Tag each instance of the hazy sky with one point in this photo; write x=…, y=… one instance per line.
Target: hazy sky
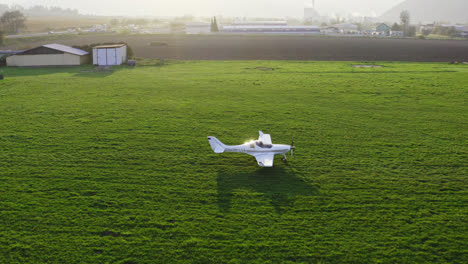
x=249, y=8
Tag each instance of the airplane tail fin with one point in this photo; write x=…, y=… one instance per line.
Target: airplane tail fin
x=216, y=145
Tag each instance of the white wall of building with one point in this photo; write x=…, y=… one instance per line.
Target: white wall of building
x=109, y=56
x=65, y=59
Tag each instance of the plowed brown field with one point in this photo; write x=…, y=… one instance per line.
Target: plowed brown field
x=249, y=47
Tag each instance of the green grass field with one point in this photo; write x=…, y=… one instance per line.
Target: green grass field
x=115, y=167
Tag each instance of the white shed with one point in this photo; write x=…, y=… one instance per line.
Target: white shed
x=110, y=54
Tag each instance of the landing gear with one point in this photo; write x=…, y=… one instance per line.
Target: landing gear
x=284, y=159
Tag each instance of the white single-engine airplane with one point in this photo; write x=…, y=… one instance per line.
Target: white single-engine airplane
x=262, y=149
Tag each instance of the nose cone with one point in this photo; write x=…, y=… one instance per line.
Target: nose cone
x=282, y=148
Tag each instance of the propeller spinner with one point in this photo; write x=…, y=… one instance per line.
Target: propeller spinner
x=292, y=147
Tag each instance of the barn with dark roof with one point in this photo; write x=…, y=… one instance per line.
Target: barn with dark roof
x=49, y=55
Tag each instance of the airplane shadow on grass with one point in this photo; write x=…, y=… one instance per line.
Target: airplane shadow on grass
x=280, y=185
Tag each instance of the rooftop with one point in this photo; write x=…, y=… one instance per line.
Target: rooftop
x=109, y=46
x=66, y=49
x=269, y=27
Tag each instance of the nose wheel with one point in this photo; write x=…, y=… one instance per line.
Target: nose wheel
x=284, y=159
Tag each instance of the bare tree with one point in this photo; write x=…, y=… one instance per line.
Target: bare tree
x=405, y=21
x=214, y=25
x=13, y=21
x=405, y=17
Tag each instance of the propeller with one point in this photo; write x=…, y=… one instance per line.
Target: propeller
x=292, y=147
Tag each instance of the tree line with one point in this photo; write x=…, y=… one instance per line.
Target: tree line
x=13, y=18
x=11, y=22
x=39, y=10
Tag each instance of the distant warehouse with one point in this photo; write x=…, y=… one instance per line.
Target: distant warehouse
x=49, y=55
x=270, y=29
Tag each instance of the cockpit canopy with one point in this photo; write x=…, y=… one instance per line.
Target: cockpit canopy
x=263, y=145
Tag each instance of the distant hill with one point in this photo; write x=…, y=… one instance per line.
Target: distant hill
x=428, y=11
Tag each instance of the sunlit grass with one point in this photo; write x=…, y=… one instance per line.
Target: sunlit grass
x=115, y=167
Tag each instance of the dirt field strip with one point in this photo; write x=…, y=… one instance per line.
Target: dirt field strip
x=238, y=47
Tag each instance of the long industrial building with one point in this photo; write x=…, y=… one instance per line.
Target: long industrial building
x=270, y=29
x=259, y=23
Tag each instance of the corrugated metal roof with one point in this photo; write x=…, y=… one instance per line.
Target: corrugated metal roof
x=109, y=46
x=10, y=51
x=66, y=49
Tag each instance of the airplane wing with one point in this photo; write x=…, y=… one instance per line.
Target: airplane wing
x=265, y=160
x=265, y=138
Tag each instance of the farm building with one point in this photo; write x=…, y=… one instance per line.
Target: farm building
x=347, y=28
x=462, y=31
x=110, y=54
x=383, y=29
x=396, y=33
x=49, y=55
x=10, y=52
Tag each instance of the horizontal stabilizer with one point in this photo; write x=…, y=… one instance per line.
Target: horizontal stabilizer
x=216, y=145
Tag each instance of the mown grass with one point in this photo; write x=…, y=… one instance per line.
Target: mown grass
x=114, y=167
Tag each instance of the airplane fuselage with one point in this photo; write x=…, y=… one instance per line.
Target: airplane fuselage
x=262, y=149
x=253, y=148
